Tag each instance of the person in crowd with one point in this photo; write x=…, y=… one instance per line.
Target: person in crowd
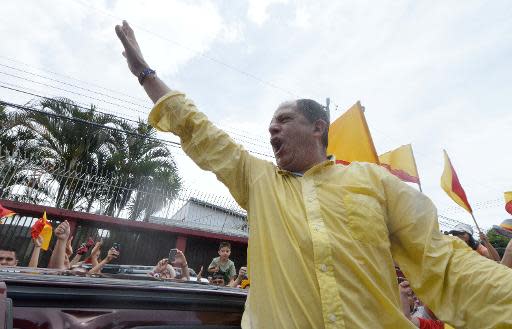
x=59, y=258
x=465, y=233
x=507, y=256
x=242, y=274
x=217, y=279
x=245, y=284
x=164, y=270
x=222, y=264
x=323, y=236
x=8, y=257
x=429, y=321
x=112, y=254
x=95, y=254
x=199, y=276
x=493, y=253
x=81, y=251
x=34, y=258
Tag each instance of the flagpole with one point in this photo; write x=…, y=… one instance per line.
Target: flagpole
x=474, y=220
x=419, y=185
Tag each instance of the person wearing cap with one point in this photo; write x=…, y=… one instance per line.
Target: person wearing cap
x=465, y=233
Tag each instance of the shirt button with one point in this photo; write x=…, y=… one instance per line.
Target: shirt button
x=310, y=199
x=332, y=317
x=323, y=268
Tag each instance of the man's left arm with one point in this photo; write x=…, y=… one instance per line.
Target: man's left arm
x=460, y=286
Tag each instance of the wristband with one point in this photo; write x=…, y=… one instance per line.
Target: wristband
x=143, y=75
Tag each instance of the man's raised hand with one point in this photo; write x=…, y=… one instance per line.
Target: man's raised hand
x=132, y=53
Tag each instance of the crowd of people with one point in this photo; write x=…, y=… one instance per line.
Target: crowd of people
x=87, y=260
x=420, y=314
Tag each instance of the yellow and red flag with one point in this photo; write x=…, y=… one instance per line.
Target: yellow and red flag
x=451, y=185
x=4, y=212
x=44, y=229
x=400, y=162
x=350, y=139
x=508, y=202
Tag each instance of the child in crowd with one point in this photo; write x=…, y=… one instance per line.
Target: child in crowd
x=223, y=265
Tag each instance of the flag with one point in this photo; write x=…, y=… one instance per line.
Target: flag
x=400, y=162
x=451, y=185
x=508, y=202
x=4, y=212
x=42, y=228
x=350, y=139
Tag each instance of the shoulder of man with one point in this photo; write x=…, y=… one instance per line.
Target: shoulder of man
x=367, y=171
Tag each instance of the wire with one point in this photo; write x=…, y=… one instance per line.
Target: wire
x=197, y=53
x=30, y=109
x=123, y=118
x=69, y=91
x=73, y=78
x=259, y=141
x=174, y=144
x=62, y=101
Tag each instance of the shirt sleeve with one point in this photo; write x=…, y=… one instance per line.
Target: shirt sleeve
x=213, y=263
x=460, y=286
x=209, y=147
x=232, y=270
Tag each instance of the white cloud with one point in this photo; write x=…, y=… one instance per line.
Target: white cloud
x=258, y=10
x=436, y=75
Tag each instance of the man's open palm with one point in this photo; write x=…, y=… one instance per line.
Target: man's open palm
x=132, y=53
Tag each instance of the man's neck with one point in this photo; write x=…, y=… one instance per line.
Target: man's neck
x=317, y=160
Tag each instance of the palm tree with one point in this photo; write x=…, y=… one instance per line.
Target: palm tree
x=85, y=164
x=148, y=167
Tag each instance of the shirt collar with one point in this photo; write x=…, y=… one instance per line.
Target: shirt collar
x=330, y=161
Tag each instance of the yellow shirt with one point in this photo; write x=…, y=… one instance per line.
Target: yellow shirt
x=321, y=246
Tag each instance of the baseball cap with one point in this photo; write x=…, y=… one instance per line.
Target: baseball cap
x=462, y=228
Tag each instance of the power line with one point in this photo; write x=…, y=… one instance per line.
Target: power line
x=82, y=121
x=71, y=85
x=197, y=53
x=115, y=116
x=73, y=78
x=69, y=91
x=174, y=144
x=62, y=101
x=231, y=130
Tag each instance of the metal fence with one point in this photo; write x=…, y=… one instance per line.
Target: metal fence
x=31, y=179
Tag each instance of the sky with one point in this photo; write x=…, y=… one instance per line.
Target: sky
x=434, y=74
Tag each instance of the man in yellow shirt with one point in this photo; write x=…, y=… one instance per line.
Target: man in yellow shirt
x=323, y=237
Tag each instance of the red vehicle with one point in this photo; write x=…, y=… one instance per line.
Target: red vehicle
x=47, y=299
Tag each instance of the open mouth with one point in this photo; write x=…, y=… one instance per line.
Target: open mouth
x=277, y=145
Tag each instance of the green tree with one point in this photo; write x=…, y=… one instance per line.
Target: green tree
x=148, y=167
x=79, y=165
x=498, y=241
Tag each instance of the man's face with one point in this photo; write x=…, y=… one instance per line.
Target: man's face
x=224, y=253
x=293, y=138
x=8, y=258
